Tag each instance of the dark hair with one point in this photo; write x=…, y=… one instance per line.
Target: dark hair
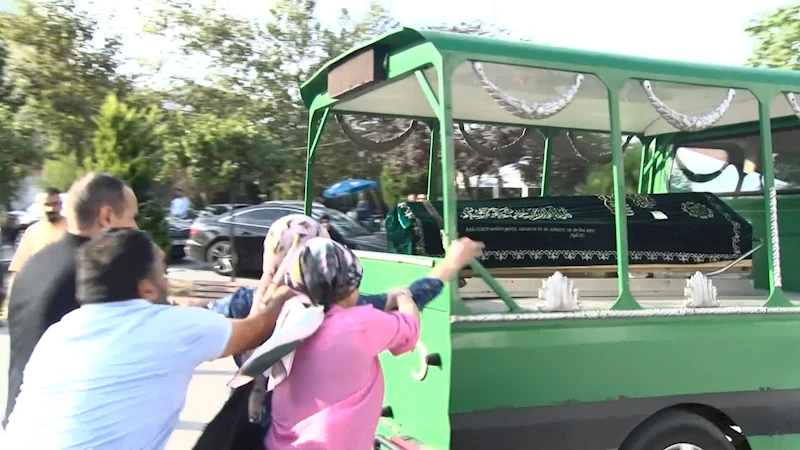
x=324, y=217
x=110, y=266
x=50, y=191
x=89, y=194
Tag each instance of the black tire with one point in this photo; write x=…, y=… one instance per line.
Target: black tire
x=213, y=253
x=677, y=427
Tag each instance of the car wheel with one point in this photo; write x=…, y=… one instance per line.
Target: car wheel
x=219, y=257
x=678, y=430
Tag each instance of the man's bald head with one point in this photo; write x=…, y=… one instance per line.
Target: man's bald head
x=99, y=200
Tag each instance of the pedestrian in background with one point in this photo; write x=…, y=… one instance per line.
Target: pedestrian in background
x=50, y=227
x=180, y=205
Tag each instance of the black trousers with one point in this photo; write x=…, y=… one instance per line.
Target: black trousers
x=231, y=429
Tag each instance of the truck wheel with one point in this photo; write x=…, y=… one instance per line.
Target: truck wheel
x=678, y=430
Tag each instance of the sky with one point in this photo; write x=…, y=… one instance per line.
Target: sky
x=691, y=30
x=708, y=31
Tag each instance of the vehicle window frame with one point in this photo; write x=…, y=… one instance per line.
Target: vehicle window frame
x=235, y=217
x=692, y=144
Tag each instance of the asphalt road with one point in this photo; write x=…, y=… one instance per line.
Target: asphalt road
x=207, y=391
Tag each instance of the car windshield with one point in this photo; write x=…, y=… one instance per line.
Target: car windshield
x=343, y=223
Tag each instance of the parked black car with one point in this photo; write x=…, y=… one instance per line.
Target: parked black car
x=210, y=236
x=221, y=208
x=179, y=236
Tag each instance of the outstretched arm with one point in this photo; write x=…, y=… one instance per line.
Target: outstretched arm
x=252, y=331
x=424, y=290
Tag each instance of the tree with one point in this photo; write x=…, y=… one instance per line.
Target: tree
x=777, y=36
x=60, y=172
x=256, y=69
x=126, y=143
x=601, y=178
x=215, y=152
x=18, y=146
x=4, y=84
x=65, y=68
x=19, y=153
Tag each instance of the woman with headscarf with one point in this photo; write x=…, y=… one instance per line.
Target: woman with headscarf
x=292, y=232
x=245, y=417
x=332, y=398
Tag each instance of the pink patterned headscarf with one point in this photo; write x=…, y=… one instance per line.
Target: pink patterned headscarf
x=286, y=236
x=324, y=271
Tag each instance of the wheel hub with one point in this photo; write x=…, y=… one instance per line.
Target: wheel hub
x=683, y=447
x=223, y=265
x=220, y=258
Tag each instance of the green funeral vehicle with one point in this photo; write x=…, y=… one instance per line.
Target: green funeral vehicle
x=661, y=322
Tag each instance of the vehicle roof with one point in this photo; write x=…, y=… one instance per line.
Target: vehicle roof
x=299, y=203
x=703, y=87
x=289, y=204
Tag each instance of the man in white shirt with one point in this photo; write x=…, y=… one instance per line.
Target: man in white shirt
x=113, y=374
x=180, y=206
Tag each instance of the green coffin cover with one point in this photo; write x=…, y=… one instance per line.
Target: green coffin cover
x=685, y=228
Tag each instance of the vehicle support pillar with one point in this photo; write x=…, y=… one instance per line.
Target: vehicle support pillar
x=777, y=298
x=316, y=125
x=625, y=300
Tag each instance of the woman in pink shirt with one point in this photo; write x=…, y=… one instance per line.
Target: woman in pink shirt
x=333, y=396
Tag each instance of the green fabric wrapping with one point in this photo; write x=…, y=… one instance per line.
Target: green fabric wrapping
x=685, y=228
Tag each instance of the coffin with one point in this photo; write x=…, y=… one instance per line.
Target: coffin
x=680, y=228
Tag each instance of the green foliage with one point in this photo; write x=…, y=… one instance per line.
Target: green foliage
x=777, y=36
x=19, y=151
x=4, y=84
x=61, y=172
x=152, y=218
x=395, y=186
x=601, y=178
x=216, y=151
x=254, y=71
x=127, y=144
x=64, y=68
x=19, y=154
